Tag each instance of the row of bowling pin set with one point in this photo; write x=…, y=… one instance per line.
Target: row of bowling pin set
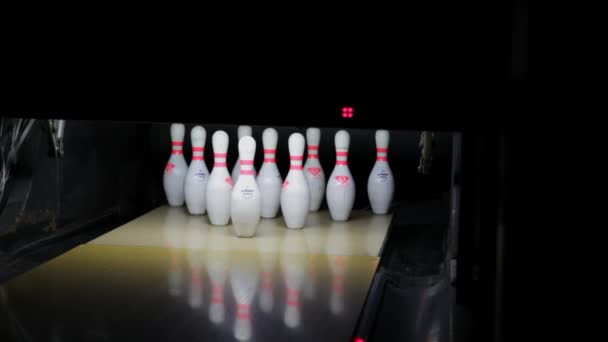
x=246, y=196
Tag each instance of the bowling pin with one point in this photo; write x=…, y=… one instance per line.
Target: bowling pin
x=295, y=196
x=341, y=185
x=244, y=282
x=197, y=176
x=293, y=264
x=242, y=131
x=380, y=184
x=269, y=180
x=313, y=170
x=176, y=168
x=219, y=186
x=246, y=204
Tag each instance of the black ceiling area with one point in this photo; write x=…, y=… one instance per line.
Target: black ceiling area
x=416, y=60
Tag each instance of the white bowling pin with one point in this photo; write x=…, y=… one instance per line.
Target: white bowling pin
x=380, y=184
x=295, y=196
x=269, y=180
x=219, y=186
x=244, y=282
x=313, y=170
x=293, y=264
x=176, y=168
x=242, y=131
x=246, y=204
x=341, y=185
x=218, y=253
x=196, y=179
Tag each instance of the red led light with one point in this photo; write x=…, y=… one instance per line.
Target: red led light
x=359, y=339
x=347, y=112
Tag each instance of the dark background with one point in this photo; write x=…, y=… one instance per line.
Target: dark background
x=419, y=65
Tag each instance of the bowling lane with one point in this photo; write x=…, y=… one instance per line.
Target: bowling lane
x=280, y=292
x=170, y=276
x=172, y=227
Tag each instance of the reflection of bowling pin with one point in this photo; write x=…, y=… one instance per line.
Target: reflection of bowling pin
x=244, y=281
x=218, y=253
x=242, y=131
x=176, y=168
x=338, y=248
x=380, y=184
x=293, y=264
x=267, y=242
x=246, y=204
x=313, y=171
x=295, y=196
x=341, y=185
x=195, y=244
x=269, y=180
x=315, y=239
x=173, y=232
x=219, y=186
x=376, y=232
x=197, y=176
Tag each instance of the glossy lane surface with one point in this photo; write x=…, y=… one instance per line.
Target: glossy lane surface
x=170, y=276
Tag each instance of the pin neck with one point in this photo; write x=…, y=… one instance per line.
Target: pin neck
x=342, y=157
x=269, y=155
x=219, y=159
x=295, y=162
x=381, y=154
x=198, y=153
x=313, y=151
x=246, y=167
x=177, y=147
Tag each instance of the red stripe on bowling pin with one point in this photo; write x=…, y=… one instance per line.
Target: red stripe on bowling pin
x=341, y=157
x=177, y=147
x=381, y=154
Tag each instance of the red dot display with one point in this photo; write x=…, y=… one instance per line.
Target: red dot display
x=347, y=112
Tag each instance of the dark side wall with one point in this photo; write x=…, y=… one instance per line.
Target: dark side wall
x=96, y=181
